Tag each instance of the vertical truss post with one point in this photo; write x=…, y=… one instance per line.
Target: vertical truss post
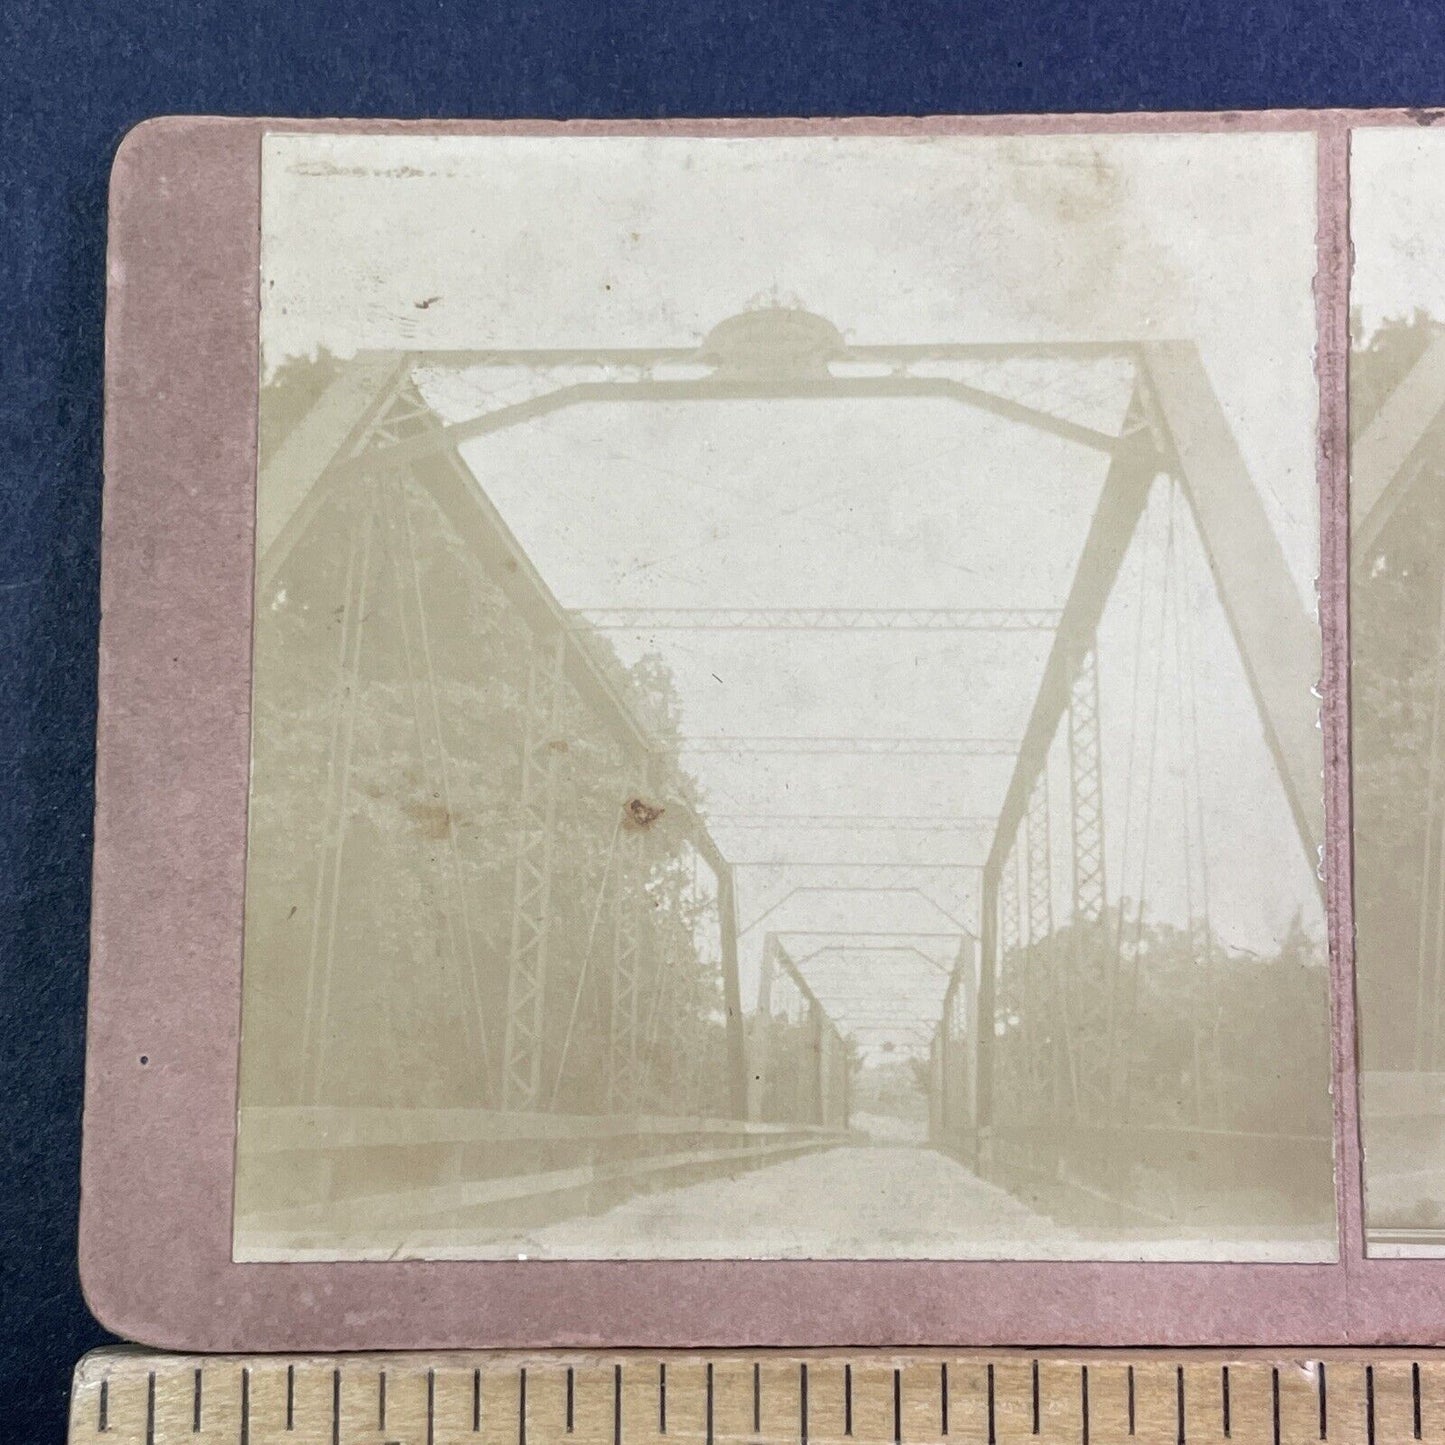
x=532, y=879
x=1012, y=1086
x=760, y=1079
x=737, y=1051
x=684, y=1056
x=956, y=1102
x=628, y=900
x=454, y=913
x=821, y=1028
x=960, y=1087
x=1016, y=973
x=668, y=1083
x=803, y=1064
x=1010, y=920
x=1086, y=781
x=1039, y=1003
x=987, y=1011
x=824, y=1061
x=1430, y=922
x=1135, y=462
x=325, y=911
x=942, y=1115
x=1091, y=995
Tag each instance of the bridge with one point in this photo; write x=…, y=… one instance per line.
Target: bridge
x=533, y=966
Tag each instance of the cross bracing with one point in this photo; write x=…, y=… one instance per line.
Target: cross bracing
x=863, y=951
x=813, y=890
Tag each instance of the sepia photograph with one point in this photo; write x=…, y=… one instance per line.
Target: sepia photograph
x=1397, y=611
x=784, y=713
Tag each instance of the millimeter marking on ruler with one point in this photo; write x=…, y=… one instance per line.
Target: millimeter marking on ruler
x=127, y=1396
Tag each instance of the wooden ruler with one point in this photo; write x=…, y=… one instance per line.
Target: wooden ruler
x=128, y=1396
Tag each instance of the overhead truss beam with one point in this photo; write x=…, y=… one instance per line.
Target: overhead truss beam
x=744, y=388
x=954, y=933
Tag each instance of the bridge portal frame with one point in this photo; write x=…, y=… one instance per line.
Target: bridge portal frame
x=1173, y=425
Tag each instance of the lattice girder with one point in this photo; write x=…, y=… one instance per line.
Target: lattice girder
x=624, y=1041
x=1091, y=980
x=532, y=883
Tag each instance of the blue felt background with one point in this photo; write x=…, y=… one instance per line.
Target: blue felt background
x=74, y=76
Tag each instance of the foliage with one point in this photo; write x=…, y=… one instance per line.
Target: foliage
x=1187, y=1033
x=290, y=392
x=1396, y=616
x=407, y=1003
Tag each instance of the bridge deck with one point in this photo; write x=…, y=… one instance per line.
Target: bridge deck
x=886, y=1200
x=879, y=1201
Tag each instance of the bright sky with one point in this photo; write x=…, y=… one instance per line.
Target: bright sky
x=1397, y=223
x=469, y=243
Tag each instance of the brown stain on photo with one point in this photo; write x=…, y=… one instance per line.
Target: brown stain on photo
x=640, y=814
x=431, y=819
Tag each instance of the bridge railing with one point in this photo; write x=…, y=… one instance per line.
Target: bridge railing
x=353, y=1183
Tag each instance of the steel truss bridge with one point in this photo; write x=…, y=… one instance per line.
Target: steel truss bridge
x=666, y=1098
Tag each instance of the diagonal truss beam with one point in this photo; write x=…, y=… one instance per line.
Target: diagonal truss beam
x=296, y=478
x=1384, y=457
x=1274, y=632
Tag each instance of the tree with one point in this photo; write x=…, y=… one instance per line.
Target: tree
x=1396, y=619
x=430, y=722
